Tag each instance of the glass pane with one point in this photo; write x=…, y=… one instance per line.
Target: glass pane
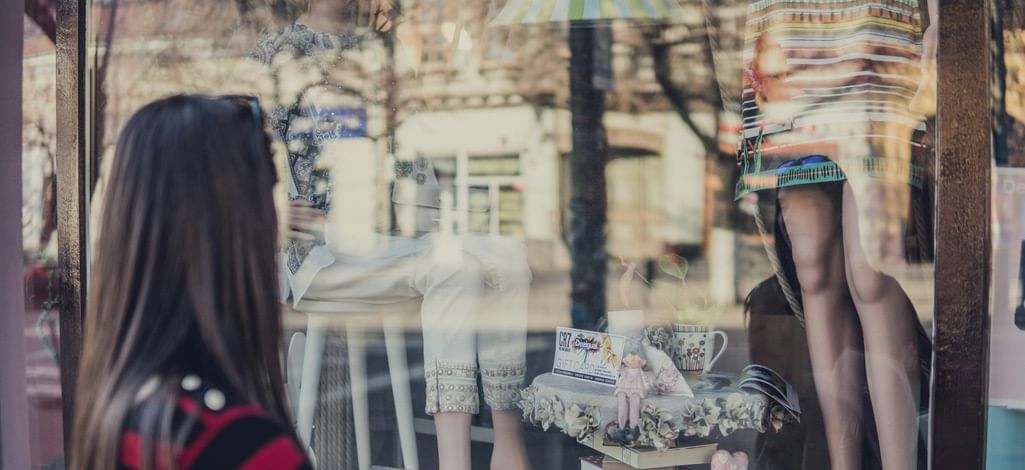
x=704, y=186
x=39, y=392
x=1006, y=400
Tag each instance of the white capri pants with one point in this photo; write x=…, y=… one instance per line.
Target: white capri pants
x=474, y=290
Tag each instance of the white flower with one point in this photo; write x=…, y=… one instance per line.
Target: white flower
x=712, y=410
x=558, y=413
x=527, y=397
x=581, y=423
x=734, y=401
x=548, y=412
x=543, y=413
x=760, y=417
x=657, y=428
x=736, y=415
x=777, y=418
x=699, y=418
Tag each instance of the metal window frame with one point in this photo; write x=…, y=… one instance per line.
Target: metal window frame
x=72, y=195
x=962, y=279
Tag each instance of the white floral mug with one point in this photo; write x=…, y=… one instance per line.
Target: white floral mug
x=693, y=347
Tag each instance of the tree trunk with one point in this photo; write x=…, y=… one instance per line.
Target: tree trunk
x=1001, y=121
x=587, y=184
x=386, y=217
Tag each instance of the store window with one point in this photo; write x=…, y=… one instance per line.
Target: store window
x=682, y=231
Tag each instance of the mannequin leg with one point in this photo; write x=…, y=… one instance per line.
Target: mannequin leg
x=813, y=221
x=451, y=301
x=502, y=341
x=891, y=352
x=510, y=451
x=453, y=440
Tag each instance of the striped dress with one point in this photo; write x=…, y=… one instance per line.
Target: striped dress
x=827, y=94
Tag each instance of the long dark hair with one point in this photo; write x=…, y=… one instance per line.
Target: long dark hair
x=184, y=275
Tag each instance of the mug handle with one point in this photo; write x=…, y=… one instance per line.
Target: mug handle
x=725, y=342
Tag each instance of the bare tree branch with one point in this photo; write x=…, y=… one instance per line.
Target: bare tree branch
x=676, y=96
x=44, y=14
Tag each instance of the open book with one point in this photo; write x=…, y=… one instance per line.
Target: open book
x=761, y=379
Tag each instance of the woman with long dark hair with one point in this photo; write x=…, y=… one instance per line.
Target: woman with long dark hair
x=181, y=364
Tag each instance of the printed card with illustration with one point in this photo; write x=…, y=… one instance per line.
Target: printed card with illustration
x=588, y=355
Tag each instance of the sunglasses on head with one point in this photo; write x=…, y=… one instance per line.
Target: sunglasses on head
x=251, y=105
x=248, y=102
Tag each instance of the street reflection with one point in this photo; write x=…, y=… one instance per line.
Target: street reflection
x=486, y=170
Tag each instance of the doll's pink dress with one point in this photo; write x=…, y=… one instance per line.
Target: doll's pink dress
x=630, y=383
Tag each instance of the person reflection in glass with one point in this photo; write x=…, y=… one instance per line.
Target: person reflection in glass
x=829, y=123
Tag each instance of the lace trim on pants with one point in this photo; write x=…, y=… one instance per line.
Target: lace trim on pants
x=502, y=385
x=452, y=388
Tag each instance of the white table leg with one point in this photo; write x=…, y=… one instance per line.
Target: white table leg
x=395, y=344
x=360, y=406
x=309, y=385
x=294, y=369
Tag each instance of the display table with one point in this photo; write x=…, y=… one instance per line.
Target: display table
x=582, y=410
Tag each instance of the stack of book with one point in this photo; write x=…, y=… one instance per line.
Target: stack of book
x=629, y=458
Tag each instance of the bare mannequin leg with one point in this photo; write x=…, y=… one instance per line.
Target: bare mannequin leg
x=510, y=451
x=812, y=217
x=453, y=440
x=502, y=342
x=891, y=352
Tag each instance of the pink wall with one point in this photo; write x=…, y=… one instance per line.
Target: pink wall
x=14, y=427
x=1007, y=342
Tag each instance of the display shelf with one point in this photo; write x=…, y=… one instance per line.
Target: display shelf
x=582, y=410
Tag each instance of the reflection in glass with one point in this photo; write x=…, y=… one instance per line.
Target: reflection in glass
x=38, y=383
x=831, y=123
x=484, y=164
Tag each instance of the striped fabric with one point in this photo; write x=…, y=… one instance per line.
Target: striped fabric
x=544, y=11
x=237, y=436
x=832, y=78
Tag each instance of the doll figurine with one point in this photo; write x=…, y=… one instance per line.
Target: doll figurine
x=630, y=389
